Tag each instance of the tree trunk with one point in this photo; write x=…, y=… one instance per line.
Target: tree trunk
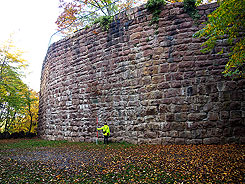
x=29, y=105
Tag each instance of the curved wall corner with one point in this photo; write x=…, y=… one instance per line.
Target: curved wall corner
x=151, y=86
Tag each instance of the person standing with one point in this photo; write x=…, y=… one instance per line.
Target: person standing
x=106, y=133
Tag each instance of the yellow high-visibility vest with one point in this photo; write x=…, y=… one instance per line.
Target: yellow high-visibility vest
x=106, y=130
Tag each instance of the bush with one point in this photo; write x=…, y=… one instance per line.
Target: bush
x=16, y=135
x=104, y=22
x=191, y=9
x=5, y=135
x=154, y=6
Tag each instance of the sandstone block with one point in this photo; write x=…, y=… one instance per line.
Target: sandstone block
x=142, y=141
x=198, y=134
x=166, y=140
x=179, y=141
x=173, y=133
x=212, y=140
x=155, y=141
x=153, y=126
x=196, y=116
x=235, y=114
x=148, y=53
x=239, y=131
x=241, y=140
x=151, y=111
x=213, y=116
x=164, y=68
x=158, y=50
x=166, y=126
x=180, y=117
x=194, y=141
x=169, y=117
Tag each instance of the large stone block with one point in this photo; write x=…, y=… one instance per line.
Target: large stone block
x=180, y=141
x=211, y=140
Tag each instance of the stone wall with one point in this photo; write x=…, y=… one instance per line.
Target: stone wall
x=151, y=86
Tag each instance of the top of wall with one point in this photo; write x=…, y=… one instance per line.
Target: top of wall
x=130, y=17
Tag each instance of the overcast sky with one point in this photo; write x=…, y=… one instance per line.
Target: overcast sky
x=33, y=23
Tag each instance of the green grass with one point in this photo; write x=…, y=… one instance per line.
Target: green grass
x=32, y=143
x=37, y=143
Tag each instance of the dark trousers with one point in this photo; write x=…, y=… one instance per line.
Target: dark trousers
x=106, y=141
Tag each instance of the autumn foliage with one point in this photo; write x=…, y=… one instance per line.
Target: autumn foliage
x=227, y=23
x=39, y=161
x=18, y=103
x=77, y=14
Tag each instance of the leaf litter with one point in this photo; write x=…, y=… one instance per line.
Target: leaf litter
x=117, y=163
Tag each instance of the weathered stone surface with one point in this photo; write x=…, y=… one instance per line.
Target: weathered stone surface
x=179, y=141
x=211, y=140
x=150, y=88
x=135, y=36
x=213, y=116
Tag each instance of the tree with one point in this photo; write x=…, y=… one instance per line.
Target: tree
x=27, y=120
x=12, y=98
x=11, y=85
x=227, y=22
x=31, y=110
x=9, y=54
x=78, y=13
x=16, y=100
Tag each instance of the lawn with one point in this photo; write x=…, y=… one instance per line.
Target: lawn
x=41, y=161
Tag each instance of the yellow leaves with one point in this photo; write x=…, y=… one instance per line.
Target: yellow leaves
x=226, y=21
x=58, y=176
x=12, y=54
x=174, y=1
x=12, y=88
x=78, y=14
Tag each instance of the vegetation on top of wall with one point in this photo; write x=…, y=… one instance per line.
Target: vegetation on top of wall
x=77, y=14
x=191, y=9
x=154, y=6
x=104, y=22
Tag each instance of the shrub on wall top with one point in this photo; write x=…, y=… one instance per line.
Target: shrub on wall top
x=191, y=9
x=154, y=7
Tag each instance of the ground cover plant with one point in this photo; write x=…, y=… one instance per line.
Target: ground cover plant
x=40, y=161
